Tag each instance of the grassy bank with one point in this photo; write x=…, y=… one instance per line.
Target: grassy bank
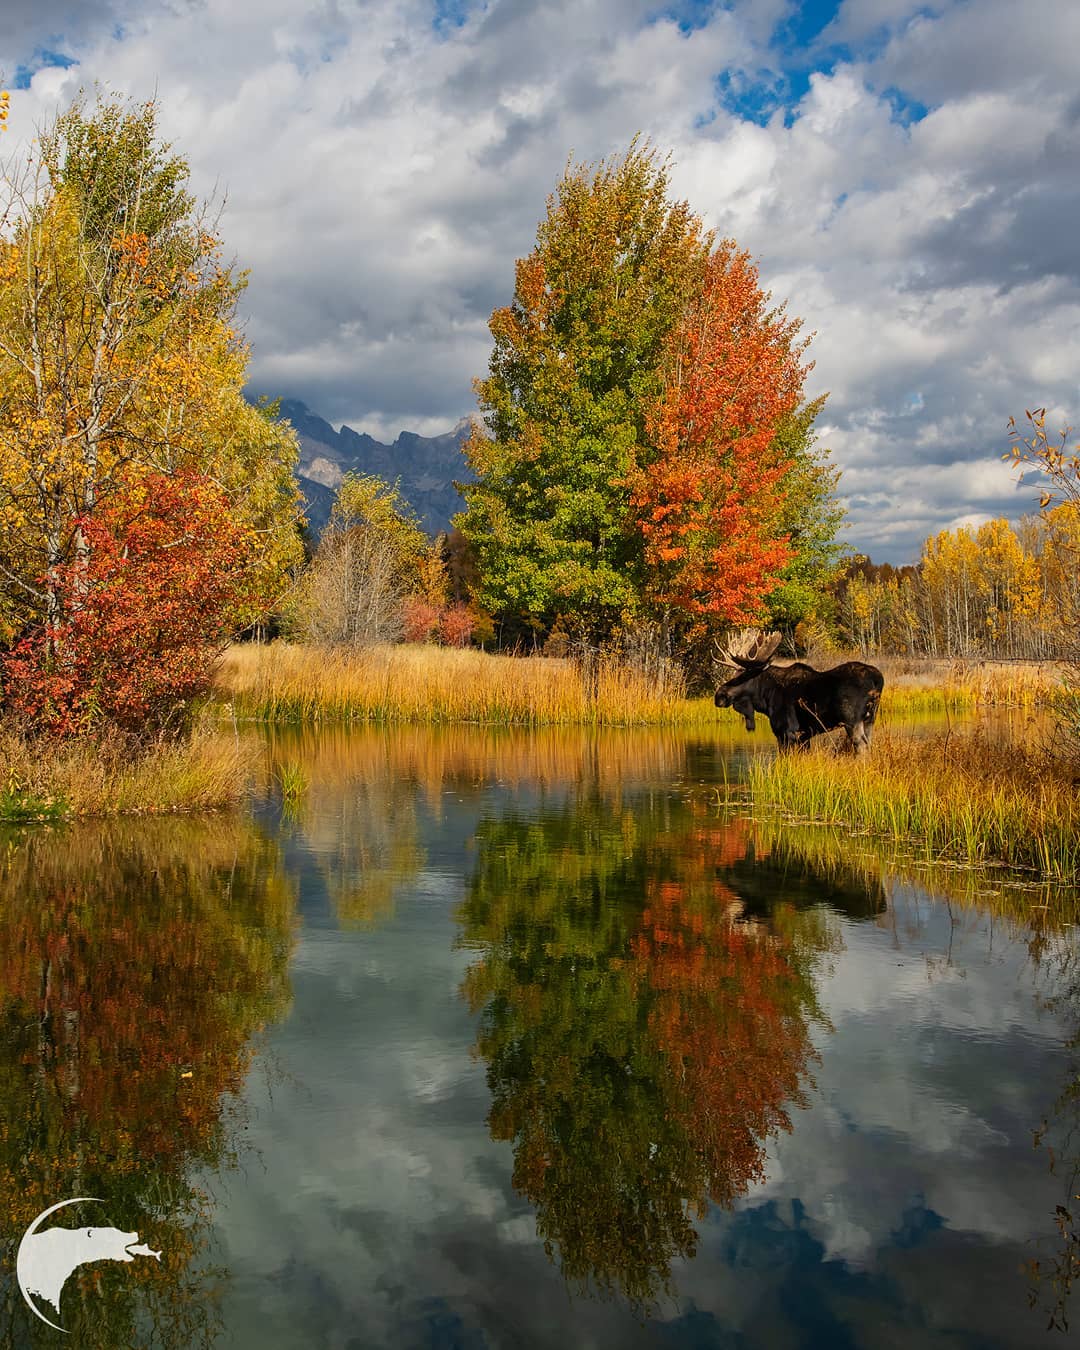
x=878, y=862
x=284, y=683
x=42, y=781
x=958, y=798
x=916, y=685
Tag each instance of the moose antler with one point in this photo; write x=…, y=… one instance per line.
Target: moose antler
x=749, y=647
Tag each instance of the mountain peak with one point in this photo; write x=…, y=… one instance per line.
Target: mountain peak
x=426, y=467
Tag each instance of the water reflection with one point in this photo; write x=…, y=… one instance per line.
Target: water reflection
x=1055, y=1269
x=649, y=978
x=646, y=984
x=360, y=816
x=650, y=990
x=137, y=960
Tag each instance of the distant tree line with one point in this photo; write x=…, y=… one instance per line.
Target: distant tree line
x=998, y=590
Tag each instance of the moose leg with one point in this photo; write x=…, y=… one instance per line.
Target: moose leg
x=785, y=727
x=859, y=737
x=862, y=730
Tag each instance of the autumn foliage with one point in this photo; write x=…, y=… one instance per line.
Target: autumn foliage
x=451, y=625
x=420, y=619
x=145, y=504
x=644, y=425
x=141, y=614
x=707, y=503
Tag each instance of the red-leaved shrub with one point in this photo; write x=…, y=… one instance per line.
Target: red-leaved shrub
x=142, y=613
x=456, y=626
x=420, y=619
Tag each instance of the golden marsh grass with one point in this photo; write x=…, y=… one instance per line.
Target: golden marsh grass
x=952, y=796
x=425, y=684
x=1036, y=904
x=90, y=778
x=921, y=684
x=430, y=684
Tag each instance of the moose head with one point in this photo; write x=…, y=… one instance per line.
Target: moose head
x=749, y=651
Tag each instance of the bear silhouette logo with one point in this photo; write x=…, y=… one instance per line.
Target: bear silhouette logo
x=45, y=1260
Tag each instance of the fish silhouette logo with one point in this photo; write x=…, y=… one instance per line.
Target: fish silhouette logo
x=45, y=1260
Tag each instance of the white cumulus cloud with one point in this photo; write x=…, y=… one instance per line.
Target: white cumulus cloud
x=913, y=195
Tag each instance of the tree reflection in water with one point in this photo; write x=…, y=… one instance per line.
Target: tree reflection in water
x=137, y=960
x=647, y=983
x=1056, y=1269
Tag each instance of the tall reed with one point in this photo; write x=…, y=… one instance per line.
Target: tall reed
x=439, y=684
x=45, y=781
x=949, y=797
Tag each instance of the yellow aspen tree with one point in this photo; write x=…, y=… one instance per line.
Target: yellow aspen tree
x=119, y=355
x=1056, y=465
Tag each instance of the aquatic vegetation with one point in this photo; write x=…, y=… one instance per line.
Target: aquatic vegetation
x=51, y=780
x=293, y=781
x=952, y=796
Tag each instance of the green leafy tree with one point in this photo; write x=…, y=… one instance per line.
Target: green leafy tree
x=645, y=453
x=811, y=517
x=575, y=365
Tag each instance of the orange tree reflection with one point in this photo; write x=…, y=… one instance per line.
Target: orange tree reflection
x=137, y=960
x=645, y=1034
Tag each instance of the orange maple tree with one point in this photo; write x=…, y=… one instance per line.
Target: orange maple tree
x=708, y=502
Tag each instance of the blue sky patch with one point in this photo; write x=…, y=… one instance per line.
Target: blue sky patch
x=806, y=23
x=449, y=14
x=689, y=14
x=905, y=109
x=42, y=59
x=749, y=98
x=798, y=49
x=795, y=55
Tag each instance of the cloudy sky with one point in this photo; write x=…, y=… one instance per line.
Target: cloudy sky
x=905, y=171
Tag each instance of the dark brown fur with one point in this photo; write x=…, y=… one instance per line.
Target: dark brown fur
x=801, y=702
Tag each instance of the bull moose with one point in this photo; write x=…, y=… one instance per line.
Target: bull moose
x=799, y=701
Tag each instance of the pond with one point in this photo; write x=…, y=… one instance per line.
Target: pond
x=525, y=1039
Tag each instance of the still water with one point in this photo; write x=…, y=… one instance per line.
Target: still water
x=500, y=1040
